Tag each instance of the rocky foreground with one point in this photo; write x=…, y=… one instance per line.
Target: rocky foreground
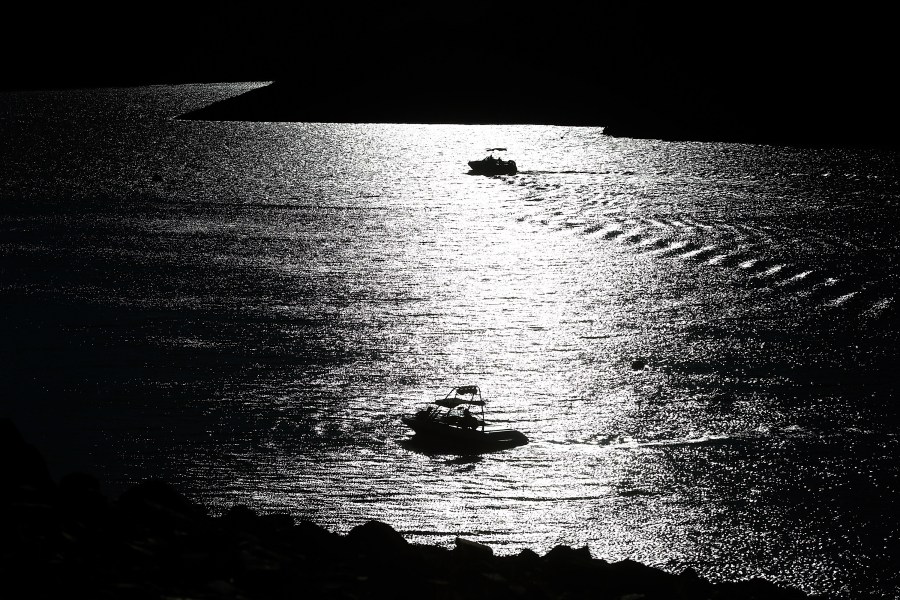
x=66, y=540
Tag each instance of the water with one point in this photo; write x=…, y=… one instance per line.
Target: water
x=699, y=339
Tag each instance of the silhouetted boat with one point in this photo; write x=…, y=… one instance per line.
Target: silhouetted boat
x=491, y=165
x=447, y=424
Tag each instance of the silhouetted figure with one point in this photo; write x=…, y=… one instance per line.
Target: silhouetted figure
x=468, y=420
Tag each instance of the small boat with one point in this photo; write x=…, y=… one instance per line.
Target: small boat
x=491, y=165
x=448, y=424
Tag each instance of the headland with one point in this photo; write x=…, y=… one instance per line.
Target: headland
x=679, y=111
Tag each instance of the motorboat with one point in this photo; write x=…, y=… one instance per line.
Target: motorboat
x=492, y=165
x=449, y=424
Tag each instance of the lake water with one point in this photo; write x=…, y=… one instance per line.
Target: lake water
x=699, y=339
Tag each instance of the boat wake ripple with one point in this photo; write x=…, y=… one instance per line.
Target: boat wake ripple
x=763, y=259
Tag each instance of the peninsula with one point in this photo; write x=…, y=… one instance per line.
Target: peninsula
x=686, y=111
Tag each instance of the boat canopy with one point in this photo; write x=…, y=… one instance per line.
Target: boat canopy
x=464, y=394
x=454, y=402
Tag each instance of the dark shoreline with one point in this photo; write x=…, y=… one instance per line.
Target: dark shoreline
x=68, y=540
x=675, y=113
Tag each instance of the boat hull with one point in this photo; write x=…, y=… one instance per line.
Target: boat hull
x=437, y=435
x=480, y=167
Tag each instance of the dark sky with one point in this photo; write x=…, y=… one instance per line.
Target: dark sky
x=161, y=42
x=826, y=60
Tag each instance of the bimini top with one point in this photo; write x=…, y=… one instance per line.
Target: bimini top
x=464, y=394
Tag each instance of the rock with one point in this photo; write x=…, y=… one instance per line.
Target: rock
x=157, y=503
x=468, y=550
x=310, y=537
x=23, y=470
x=566, y=554
x=241, y=516
x=154, y=495
x=276, y=522
x=80, y=499
x=154, y=542
x=375, y=535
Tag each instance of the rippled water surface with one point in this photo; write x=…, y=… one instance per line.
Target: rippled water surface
x=699, y=339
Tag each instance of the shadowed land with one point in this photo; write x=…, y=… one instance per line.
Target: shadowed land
x=671, y=72
x=66, y=539
x=684, y=110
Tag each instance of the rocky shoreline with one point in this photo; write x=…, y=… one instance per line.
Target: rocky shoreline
x=66, y=539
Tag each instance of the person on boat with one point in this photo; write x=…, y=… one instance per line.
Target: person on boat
x=469, y=421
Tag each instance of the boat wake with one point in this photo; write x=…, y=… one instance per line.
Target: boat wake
x=790, y=265
x=628, y=443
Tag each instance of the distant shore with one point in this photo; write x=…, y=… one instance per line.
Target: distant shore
x=68, y=540
x=661, y=114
